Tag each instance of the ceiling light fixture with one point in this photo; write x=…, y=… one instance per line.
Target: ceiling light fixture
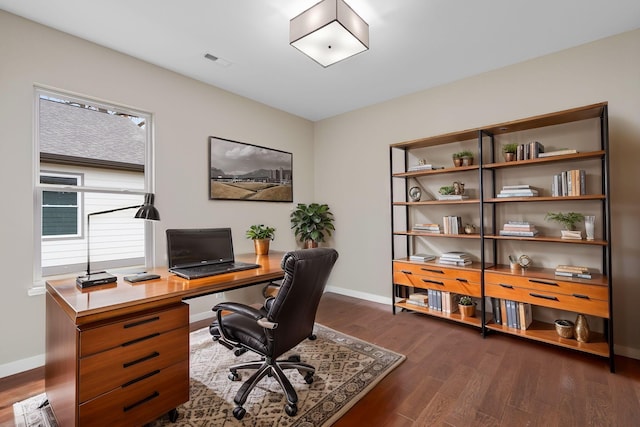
x=329, y=32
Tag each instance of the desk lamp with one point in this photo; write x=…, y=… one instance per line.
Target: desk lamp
x=145, y=211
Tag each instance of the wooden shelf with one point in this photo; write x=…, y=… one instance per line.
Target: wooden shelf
x=545, y=198
x=474, y=321
x=518, y=163
x=546, y=332
x=456, y=236
x=415, y=174
x=548, y=239
x=438, y=202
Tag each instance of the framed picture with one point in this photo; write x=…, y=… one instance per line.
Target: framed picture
x=239, y=171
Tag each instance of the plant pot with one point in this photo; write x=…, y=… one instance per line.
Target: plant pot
x=308, y=244
x=509, y=157
x=467, y=161
x=261, y=246
x=467, y=310
x=457, y=162
x=564, y=328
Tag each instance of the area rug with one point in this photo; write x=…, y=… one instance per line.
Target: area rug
x=346, y=369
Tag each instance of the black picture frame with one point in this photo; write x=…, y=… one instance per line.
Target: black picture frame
x=241, y=171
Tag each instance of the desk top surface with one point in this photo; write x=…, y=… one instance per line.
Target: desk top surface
x=121, y=297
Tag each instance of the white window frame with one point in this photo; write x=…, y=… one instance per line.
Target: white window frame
x=149, y=177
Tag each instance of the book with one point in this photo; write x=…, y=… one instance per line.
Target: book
x=422, y=257
x=525, y=315
x=516, y=187
x=504, y=315
x=571, y=234
x=418, y=303
x=519, y=227
x=495, y=305
x=452, y=262
x=519, y=233
x=456, y=255
x=452, y=197
x=572, y=268
x=558, y=153
x=530, y=193
x=518, y=190
x=419, y=297
x=575, y=275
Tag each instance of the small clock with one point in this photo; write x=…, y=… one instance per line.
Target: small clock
x=524, y=261
x=415, y=194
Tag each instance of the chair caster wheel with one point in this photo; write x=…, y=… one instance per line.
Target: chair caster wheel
x=233, y=376
x=308, y=378
x=313, y=337
x=294, y=358
x=238, y=412
x=239, y=351
x=291, y=409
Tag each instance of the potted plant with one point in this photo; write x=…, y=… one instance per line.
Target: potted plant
x=457, y=160
x=509, y=152
x=311, y=222
x=467, y=306
x=466, y=156
x=568, y=221
x=261, y=236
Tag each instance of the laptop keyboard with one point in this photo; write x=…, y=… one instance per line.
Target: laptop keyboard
x=212, y=270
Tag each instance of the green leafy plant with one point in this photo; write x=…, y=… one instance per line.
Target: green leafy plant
x=461, y=154
x=311, y=222
x=568, y=220
x=510, y=148
x=465, y=300
x=446, y=190
x=260, y=231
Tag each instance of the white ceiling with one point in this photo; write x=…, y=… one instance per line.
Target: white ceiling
x=414, y=44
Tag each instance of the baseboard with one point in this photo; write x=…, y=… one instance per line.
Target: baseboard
x=21, y=365
x=361, y=295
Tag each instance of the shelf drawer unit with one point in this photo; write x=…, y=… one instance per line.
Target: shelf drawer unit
x=433, y=276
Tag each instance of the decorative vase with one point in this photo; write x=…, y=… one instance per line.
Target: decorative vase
x=261, y=246
x=308, y=244
x=509, y=157
x=564, y=328
x=581, y=330
x=467, y=310
x=457, y=161
x=467, y=161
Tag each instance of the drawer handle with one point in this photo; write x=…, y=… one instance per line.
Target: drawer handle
x=581, y=296
x=431, y=270
x=137, y=340
x=140, y=402
x=543, y=296
x=506, y=286
x=141, y=322
x=406, y=271
x=462, y=280
x=433, y=281
x=142, y=359
x=144, y=377
x=543, y=282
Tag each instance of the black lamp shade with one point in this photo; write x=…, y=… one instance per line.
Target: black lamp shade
x=147, y=210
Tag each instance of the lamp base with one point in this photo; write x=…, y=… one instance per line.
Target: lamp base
x=95, y=279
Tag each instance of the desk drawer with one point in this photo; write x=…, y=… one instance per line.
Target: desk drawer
x=582, y=304
x=436, y=271
x=100, y=338
x=110, y=369
x=550, y=285
x=448, y=285
x=140, y=402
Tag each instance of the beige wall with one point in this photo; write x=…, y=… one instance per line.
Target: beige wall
x=185, y=113
x=353, y=148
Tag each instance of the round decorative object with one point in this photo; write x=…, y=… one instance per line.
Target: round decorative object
x=524, y=261
x=415, y=194
x=582, y=328
x=564, y=328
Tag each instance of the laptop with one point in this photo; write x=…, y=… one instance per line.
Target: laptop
x=195, y=253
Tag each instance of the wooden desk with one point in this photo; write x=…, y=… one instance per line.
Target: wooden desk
x=118, y=354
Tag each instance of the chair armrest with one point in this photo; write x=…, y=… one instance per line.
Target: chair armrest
x=242, y=309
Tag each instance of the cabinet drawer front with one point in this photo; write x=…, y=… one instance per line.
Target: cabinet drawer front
x=581, y=304
x=550, y=285
x=102, y=372
x=449, y=285
x=94, y=340
x=436, y=271
x=140, y=402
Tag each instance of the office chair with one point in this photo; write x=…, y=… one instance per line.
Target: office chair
x=282, y=323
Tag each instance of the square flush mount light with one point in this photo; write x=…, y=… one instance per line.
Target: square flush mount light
x=329, y=32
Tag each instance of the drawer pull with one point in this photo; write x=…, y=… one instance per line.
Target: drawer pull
x=433, y=281
x=144, y=377
x=142, y=359
x=543, y=296
x=581, y=296
x=140, y=402
x=462, y=280
x=506, y=286
x=406, y=271
x=137, y=340
x=431, y=270
x=141, y=322
x=543, y=282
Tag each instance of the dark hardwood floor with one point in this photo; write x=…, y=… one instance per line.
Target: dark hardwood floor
x=454, y=377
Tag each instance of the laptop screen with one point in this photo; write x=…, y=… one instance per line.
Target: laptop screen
x=191, y=247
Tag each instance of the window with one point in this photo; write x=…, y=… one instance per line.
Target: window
x=91, y=157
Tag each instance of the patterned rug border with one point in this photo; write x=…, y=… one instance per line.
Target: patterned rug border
x=27, y=413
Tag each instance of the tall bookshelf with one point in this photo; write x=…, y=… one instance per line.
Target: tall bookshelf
x=490, y=279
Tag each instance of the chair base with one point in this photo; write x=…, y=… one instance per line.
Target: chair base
x=267, y=366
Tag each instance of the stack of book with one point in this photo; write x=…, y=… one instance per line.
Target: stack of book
x=569, y=183
x=519, y=228
x=512, y=314
x=422, y=257
x=573, y=271
x=571, y=234
x=452, y=225
x=452, y=196
x=428, y=228
x=561, y=152
x=531, y=150
x=435, y=299
x=423, y=168
x=419, y=299
x=523, y=190
x=455, y=258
